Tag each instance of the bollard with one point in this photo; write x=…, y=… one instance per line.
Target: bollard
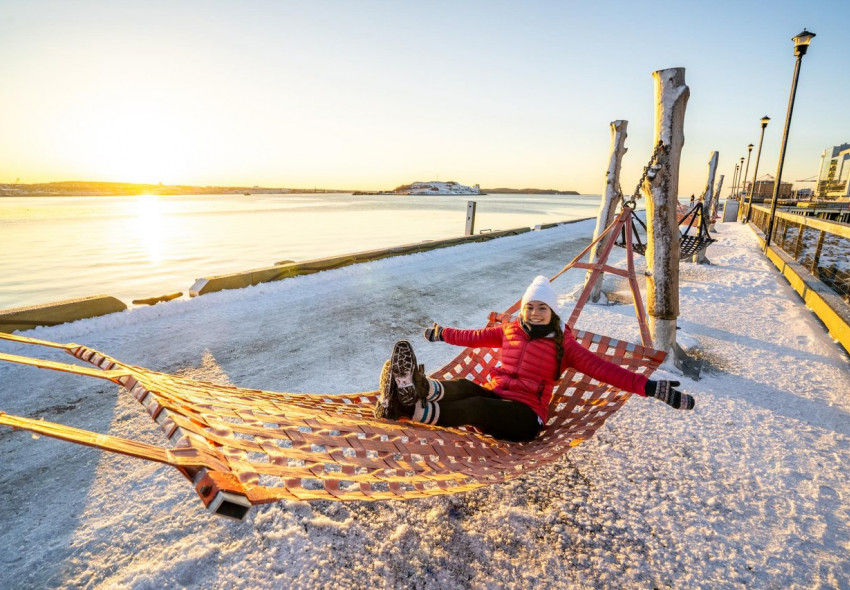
x=470, y=218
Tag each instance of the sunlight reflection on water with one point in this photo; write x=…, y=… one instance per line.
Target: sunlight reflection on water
x=54, y=248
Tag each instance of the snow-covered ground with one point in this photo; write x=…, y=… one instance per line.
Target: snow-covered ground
x=750, y=489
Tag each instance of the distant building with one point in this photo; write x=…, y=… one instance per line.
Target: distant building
x=764, y=189
x=834, y=175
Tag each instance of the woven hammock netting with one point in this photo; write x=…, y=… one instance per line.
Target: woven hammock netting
x=241, y=447
x=689, y=244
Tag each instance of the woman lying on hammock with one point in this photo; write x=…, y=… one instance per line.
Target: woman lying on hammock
x=514, y=403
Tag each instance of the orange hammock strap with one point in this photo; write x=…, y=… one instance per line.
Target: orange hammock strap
x=112, y=375
x=252, y=446
x=185, y=457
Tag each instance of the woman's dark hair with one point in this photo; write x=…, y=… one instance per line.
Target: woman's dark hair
x=555, y=324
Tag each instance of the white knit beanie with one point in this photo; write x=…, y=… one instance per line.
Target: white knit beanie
x=540, y=290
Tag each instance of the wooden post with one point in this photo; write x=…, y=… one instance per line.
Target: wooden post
x=709, y=205
x=662, y=253
x=717, y=191
x=717, y=197
x=470, y=218
x=610, y=199
x=712, y=197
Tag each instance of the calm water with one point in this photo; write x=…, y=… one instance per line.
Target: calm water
x=132, y=247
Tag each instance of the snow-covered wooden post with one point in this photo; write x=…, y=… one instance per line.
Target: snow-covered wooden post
x=662, y=253
x=717, y=197
x=709, y=204
x=610, y=198
x=711, y=197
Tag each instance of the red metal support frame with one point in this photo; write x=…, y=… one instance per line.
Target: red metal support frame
x=601, y=265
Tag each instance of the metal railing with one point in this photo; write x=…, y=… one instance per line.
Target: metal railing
x=823, y=247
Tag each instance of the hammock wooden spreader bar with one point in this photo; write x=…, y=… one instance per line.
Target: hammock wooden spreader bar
x=241, y=447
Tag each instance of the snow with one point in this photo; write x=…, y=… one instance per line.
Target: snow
x=748, y=490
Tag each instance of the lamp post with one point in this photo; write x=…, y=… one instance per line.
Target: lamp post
x=741, y=180
x=734, y=183
x=764, y=122
x=801, y=45
x=744, y=192
x=746, y=171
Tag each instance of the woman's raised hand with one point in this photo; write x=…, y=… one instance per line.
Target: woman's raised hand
x=434, y=333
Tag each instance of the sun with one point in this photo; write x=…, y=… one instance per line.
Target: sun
x=138, y=141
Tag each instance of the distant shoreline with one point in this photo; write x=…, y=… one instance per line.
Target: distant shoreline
x=210, y=193
x=123, y=189
x=483, y=191
x=529, y=191
x=120, y=189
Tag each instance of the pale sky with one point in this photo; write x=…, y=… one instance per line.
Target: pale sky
x=372, y=94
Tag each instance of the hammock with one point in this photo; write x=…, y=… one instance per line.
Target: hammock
x=241, y=447
x=688, y=244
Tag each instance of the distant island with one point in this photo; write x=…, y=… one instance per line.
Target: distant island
x=435, y=187
x=123, y=189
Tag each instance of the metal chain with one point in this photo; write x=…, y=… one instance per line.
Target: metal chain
x=649, y=171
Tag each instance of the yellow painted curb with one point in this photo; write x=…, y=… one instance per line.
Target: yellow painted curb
x=818, y=297
x=60, y=312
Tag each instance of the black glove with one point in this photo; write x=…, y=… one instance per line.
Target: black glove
x=434, y=333
x=664, y=391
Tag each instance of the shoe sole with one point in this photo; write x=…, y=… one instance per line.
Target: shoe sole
x=385, y=392
x=403, y=362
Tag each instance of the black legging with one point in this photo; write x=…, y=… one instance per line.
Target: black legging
x=467, y=403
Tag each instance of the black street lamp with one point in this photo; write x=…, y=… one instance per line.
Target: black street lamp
x=746, y=171
x=744, y=191
x=801, y=45
x=764, y=121
x=734, y=183
x=741, y=180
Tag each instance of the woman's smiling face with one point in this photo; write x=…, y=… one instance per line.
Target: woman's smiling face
x=537, y=313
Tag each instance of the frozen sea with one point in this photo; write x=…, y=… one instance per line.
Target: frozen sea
x=54, y=248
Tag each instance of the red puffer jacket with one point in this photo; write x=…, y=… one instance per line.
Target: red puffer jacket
x=527, y=372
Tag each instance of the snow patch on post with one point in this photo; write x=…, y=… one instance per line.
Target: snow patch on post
x=709, y=205
x=717, y=199
x=610, y=199
x=662, y=253
x=710, y=196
